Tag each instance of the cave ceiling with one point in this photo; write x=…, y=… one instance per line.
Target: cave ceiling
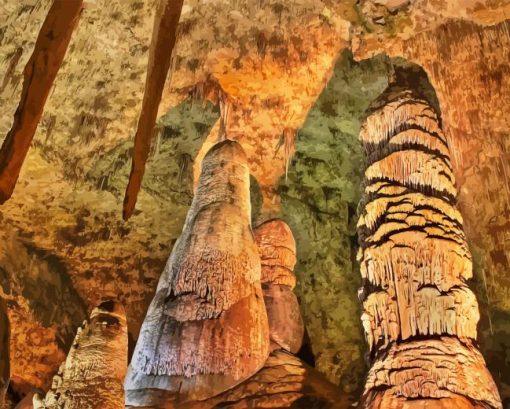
x=290, y=81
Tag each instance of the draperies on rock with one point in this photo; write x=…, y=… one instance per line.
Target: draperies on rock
x=91, y=376
x=419, y=315
x=206, y=329
x=277, y=250
x=283, y=382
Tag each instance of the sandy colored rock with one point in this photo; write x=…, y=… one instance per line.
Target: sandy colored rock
x=419, y=316
x=277, y=249
x=91, y=376
x=206, y=329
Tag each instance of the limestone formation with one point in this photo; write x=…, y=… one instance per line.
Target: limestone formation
x=91, y=376
x=277, y=250
x=206, y=329
x=5, y=372
x=419, y=315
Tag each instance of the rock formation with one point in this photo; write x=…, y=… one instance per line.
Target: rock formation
x=206, y=329
x=283, y=382
x=277, y=250
x=91, y=377
x=5, y=371
x=272, y=61
x=419, y=315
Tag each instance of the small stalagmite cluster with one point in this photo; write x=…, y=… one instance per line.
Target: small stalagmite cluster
x=419, y=314
x=92, y=375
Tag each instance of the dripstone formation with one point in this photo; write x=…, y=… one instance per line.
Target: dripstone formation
x=91, y=377
x=419, y=314
x=206, y=329
x=206, y=339
x=278, y=257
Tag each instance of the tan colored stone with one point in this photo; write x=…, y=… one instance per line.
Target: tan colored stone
x=277, y=249
x=283, y=382
x=419, y=315
x=206, y=329
x=91, y=376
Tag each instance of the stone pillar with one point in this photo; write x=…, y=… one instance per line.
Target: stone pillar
x=206, y=329
x=277, y=250
x=91, y=377
x=419, y=314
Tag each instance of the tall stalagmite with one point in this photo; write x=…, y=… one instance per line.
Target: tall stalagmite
x=206, y=329
x=5, y=373
x=277, y=249
x=91, y=376
x=419, y=315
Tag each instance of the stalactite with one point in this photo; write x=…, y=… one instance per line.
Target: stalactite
x=163, y=41
x=277, y=250
x=39, y=75
x=5, y=373
x=419, y=315
x=91, y=376
x=206, y=329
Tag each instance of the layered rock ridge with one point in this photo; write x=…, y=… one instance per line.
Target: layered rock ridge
x=91, y=377
x=419, y=315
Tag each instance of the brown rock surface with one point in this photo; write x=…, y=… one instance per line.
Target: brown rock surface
x=419, y=315
x=91, y=376
x=206, y=329
x=5, y=370
x=277, y=250
x=283, y=382
x=269, y=62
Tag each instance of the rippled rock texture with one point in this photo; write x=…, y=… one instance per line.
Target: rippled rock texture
x=419, y=315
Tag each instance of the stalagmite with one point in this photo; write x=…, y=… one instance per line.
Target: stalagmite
x=419, y=315
x=206, y=329
x=164, y=36
x=39, y=75
x=91, y=377
x=284, y=381
x=277, y=250
x=5, y=373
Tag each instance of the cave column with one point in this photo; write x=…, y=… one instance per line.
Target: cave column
x=419, y=315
